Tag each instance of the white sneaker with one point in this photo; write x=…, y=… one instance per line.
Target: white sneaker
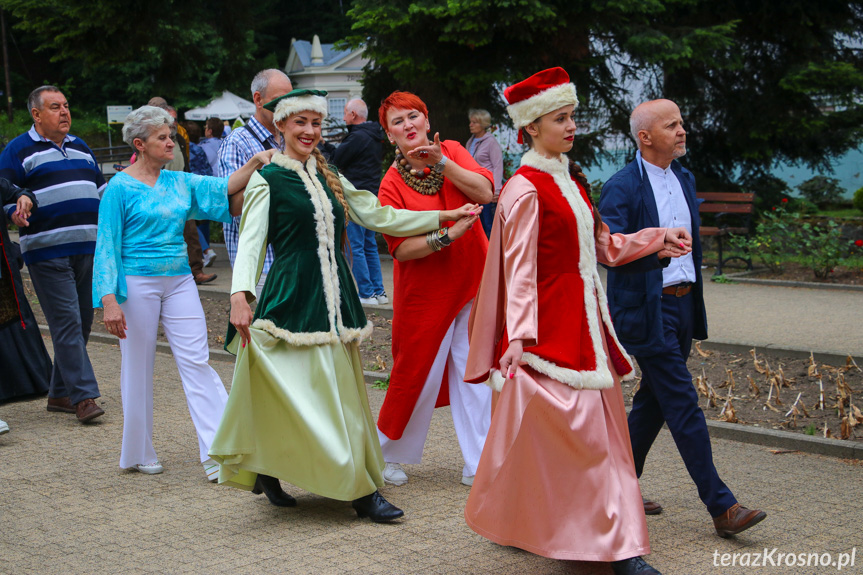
x=211, y=468
x=209, y=257
x=467, y=480
x=382, y=299
x=150, y=468
x=369, y=300
x=4, y=427
x=394, y=474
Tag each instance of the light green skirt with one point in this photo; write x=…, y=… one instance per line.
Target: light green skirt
x=299, y=413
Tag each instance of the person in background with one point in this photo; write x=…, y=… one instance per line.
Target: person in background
x=487, y=153
x=359, y=158
x=59, y=243
x=26, y=364
x=258, y=134
x=142, y=278
x=199, y=164
x=214, y=130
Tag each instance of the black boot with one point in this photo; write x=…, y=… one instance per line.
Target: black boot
x=376, y=508
x=271, y=487
x=633, y=566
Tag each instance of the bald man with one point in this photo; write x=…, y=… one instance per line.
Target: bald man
x=658, y=308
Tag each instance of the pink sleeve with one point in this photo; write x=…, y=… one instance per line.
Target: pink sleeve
x=620, y=249
x=520, y=236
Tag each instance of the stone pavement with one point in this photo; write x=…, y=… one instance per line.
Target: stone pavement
x=65, y=507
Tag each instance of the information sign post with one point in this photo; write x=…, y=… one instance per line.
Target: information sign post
x=116, y=115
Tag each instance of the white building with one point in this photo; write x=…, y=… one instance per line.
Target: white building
x=317, y=66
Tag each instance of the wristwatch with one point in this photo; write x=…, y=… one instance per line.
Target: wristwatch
x=440, y=165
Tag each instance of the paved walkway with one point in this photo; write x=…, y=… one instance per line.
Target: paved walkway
x=65, y=507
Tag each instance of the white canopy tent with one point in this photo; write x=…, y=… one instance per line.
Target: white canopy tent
x=226, y=107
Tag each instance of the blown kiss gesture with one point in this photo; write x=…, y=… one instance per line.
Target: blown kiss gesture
x=430, y=154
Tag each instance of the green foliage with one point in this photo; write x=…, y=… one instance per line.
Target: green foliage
x=92, y=127
x=821, y=246
x=818, y=246
x=768, y=189
x=758, y=82
x=857, y=202
x=722, y=279
x=821, y=190
x=104, y=52
x=810, y=429
x=381, y=384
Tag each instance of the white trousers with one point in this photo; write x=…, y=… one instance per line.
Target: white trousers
x=470, y=404
x=174, y=301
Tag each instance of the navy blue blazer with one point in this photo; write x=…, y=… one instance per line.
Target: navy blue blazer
x=627, y=205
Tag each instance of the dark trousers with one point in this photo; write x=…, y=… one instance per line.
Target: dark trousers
x=666, y=395
x=486, y=218
x=193, y=247
x=64, y=287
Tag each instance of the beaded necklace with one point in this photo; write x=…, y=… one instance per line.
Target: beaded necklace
x=427, y=182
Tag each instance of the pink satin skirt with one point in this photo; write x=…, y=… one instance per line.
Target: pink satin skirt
x=556, y=476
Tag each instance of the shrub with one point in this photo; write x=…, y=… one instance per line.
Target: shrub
x=821, y=190
x=857, y=202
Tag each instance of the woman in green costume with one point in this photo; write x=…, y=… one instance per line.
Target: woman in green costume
x=298, y=409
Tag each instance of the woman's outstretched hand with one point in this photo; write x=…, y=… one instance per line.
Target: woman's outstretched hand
x=241, y=315
x=462, y=212
x=511, y=359
x=678, y=243
x=461, y=227
x=430, y=154
x=263, y=158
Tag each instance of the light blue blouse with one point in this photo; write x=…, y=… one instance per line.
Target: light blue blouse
x=141, y=227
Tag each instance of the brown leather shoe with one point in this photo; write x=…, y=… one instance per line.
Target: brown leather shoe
x=60, y=404
x=87, y=410
x=737, y=519
x=203, y=278
x=651, y=507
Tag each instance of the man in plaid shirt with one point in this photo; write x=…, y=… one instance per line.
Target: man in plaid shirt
x=257, y=135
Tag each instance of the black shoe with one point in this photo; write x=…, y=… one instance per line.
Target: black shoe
x=271, y=487
x=633, y=566
x=376, y=508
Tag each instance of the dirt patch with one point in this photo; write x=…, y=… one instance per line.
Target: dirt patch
x=798, y=273
x=776, y=393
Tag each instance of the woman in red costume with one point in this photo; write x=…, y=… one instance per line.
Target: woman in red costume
x=436, y=278
x=556, y=477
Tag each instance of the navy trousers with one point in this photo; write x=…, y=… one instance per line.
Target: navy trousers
x=666, y=395
x=64, y=287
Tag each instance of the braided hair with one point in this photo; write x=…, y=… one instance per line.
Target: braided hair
x=578, y=175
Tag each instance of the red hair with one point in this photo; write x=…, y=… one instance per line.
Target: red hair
x=400, y=101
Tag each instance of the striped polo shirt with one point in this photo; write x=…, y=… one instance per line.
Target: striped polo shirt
x=67, y=183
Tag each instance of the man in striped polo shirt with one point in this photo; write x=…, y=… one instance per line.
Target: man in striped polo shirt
x=59, y=242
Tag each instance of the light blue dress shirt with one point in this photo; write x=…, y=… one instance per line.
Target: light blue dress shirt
x=673, y=213
x=141, y=227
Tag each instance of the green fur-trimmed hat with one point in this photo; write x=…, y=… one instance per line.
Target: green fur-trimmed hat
x=297, y=101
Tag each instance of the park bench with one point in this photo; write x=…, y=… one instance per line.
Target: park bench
x=731, y=215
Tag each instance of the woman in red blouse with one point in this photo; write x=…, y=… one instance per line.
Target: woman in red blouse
x=436, y=279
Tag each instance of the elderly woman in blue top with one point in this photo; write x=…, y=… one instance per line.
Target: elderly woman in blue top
x=142, y=276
